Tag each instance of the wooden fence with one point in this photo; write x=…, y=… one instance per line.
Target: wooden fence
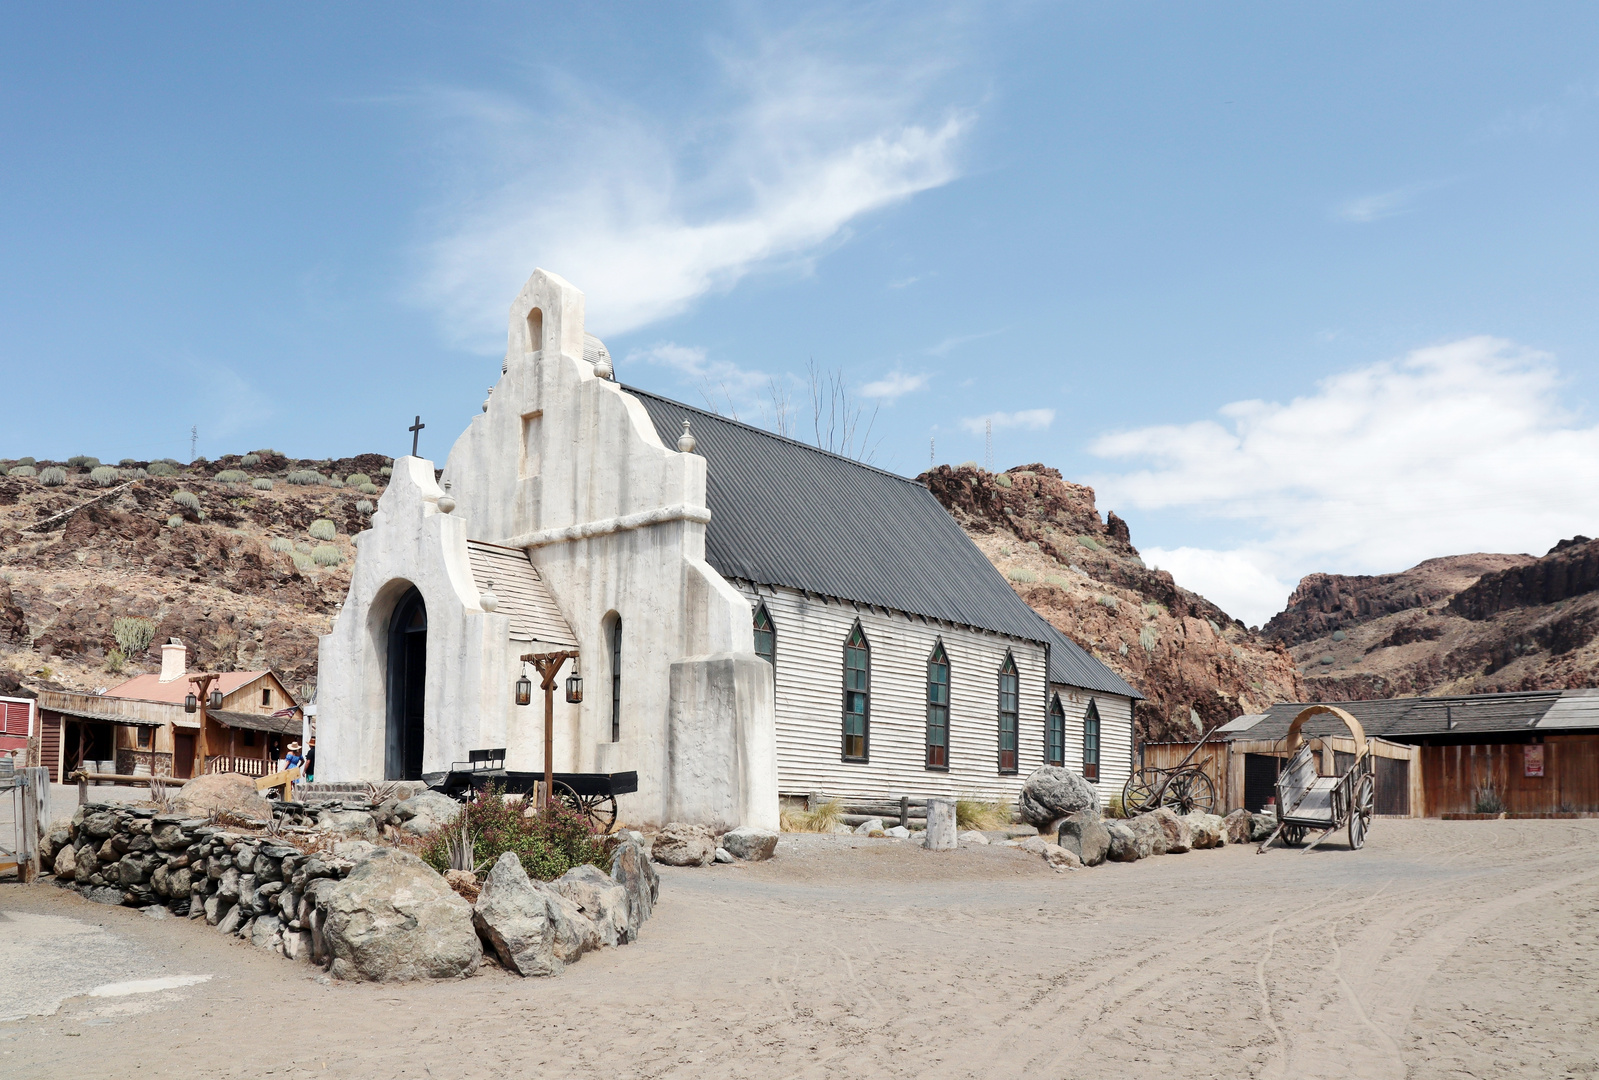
x=1470, y=778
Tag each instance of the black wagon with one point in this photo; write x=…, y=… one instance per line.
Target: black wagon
x=591, y=794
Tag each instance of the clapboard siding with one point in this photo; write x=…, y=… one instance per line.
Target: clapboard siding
x=1115, y=735
x=810, y=636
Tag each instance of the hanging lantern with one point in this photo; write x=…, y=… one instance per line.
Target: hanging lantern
x=216, y=699
x=574, y=685
x=524, y=689
x=191, y=703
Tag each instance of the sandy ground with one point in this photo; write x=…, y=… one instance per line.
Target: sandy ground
x=1443, y=949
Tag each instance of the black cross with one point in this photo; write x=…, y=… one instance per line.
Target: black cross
x=415, y=430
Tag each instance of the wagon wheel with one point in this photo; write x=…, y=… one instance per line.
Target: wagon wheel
x=600, y=809
x=1293, y=835
x=1138, y=794
x=1190, y=791
x=1360, y=812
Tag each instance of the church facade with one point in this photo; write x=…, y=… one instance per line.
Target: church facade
x=752, y=616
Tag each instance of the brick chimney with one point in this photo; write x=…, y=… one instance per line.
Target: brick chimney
x=174, y=660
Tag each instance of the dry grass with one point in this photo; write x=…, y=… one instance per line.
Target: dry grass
x=977, y=814
x=820, y=820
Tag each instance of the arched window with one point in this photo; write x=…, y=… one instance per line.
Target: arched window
x=1091, y=742
x=857, y=694
x=765, y=637
x=616, y=680
x=1009, y=708
x=1055, y=738
x=938, y=708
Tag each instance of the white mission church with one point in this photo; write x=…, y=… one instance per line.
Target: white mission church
x=754, y=617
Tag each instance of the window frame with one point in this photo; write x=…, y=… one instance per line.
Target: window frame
x=615, y=635
x=1055, y=733
x=762, y=611
x=266, y=697
x=1091, y=724
x=939, y=657
x=865, y=647
x=1009, y=670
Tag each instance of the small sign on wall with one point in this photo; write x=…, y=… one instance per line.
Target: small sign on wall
x=1533, y=758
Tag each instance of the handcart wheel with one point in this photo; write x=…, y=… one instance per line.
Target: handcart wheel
x=599, y=809
x=1293, y=835
x=1190, y=791
x=1360, y=813
x=1138, y=794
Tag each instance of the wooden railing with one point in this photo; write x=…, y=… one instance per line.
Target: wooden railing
x=248, y=766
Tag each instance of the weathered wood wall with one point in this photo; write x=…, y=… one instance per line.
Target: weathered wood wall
x=1455, y=775
x=1223, y=762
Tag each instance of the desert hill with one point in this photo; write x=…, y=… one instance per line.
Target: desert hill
x=1462, y=624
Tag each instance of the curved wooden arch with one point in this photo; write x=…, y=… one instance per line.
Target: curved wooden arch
x=1295, y=736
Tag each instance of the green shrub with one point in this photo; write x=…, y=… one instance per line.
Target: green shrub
x=1108, y=601
x=174, y=521
x=327, y=555
x=1487, y=800
x=1339, y=635
x=363, y=507
x=115, y=661
x=82, y=461
x=261, y=483
x=268, y=452
x=1090, y=543
x=302, y=562
x=1025, y=577
x=386, y=471
x=820, y=820
x=53, y=476
x=978, y=814
x=1057, y=581
x=1326, y=659
x=1153, y=609
x=250, y=459
x=306, y=477
x=231, y=476
x=281, y=544
x=368, y=489
x=335, y=480
x=133, y=634
x=162, y=468
x=1002, y=480
x=23, y=470
x=27, y=461
x=128, y=463
x=131, y=474
x=1148, y=638
x=322, y=529
x=186, y=499
x=548, y=842
x=356, y=479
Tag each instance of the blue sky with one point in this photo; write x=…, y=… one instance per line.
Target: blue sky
x=1296, y=287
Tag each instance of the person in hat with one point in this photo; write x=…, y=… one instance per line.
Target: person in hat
x=293, y=760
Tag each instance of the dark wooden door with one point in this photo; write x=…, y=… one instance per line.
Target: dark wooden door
x=183, y=754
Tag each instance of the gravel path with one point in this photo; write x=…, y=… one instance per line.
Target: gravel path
x=1442, y=949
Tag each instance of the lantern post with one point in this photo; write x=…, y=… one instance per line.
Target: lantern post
x=548, y=666
x=201, y=699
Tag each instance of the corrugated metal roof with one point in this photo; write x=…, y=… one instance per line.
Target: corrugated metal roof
x=151, y=688
x=1469, y=714
x=784, y=513
x=521, y=593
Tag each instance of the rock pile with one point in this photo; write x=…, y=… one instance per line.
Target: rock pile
x=678, y=844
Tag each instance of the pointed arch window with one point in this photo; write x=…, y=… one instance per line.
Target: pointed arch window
x=857, y=695
x=765, y=637
x=1091, y=742
x=616, y=679
x=1009, y=713
x=1055, y=738
x=938, y=708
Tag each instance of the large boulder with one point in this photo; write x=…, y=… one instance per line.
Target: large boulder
x=359, y=824
x=426, y=813
x=394, y=919
x=533, y=929
x=1051, y=793
x=66, y=862
x=751, y=845
x=630, y=868
x=684, y=845
x=1124, y=845
x=1263, y=826
x=1085, y=836
x=1208, y=829
x=1151, y=838
x=1240, y=827
x=230, y=792
x=1179, y=837
x=602, y=900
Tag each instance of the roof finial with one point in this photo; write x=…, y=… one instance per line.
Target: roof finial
x=685, y=441
x=486, y=599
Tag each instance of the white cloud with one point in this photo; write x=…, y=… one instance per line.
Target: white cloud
x=950, y=344
x=1385, y=204
x=894, y=385
x=645, y=211
x=1240, y=582
x=1460, y=447
x=1026, y=419
x=725, y=386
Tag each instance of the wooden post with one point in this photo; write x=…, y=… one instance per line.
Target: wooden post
x=904, y=811
x=83, y=788
x=548, y=666
x=202, y=684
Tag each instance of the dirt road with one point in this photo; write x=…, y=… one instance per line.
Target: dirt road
x=1443, y=949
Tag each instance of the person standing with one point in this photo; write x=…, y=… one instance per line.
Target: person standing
x=293, y=760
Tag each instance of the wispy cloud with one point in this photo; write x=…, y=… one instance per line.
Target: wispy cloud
x=647, y=211
x=1025, y=420
x=717, y=379
x=950, y=344
x=1459, y=447
x=1385, y=204
x=895, y=385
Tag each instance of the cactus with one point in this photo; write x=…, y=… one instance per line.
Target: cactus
x=134, y=635
x=261, y=483
x=362, y=506
x=162, y=468
x=82, y=461
x=281, y=544
x=327, y=555
x=356, y=479
x=322, y=529
x=23, y=470
x=53, y=476
x=174, y=521
x=104, y=475
x=250, y=459
x=303, y=562
x=369, y=489
x=187, y=499
x=231, y=476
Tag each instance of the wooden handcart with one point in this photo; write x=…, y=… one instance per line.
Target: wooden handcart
x=1308, y=801
x=1184, y=788
x=591, y=794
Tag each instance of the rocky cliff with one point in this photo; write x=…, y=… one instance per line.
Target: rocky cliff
x=1463, y=624
x=1197, y=666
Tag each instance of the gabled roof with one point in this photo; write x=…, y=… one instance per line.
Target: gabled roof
x=151, y=688
x=784, y=513
x=1452, y=717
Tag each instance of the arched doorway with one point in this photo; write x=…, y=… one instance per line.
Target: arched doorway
x=408, y=664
